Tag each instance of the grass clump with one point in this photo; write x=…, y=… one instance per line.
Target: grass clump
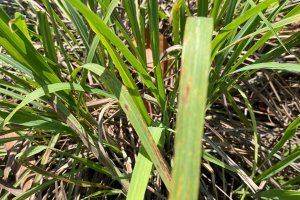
x=149, y=100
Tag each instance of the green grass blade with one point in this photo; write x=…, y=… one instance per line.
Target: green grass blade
x=26, y=83
x=255, y=132
x=113, y=4
x=175, y=20
x=31, y=151
x=280, y=194
x=92, y=51
x=11, y=94
x=103, y=194
x=86, y=162
x=142, y=170
x=131, y=11
x=290, y=42
x=57, y=34
x=215, y=9
x=191, y=110
x=154, y=36
x=47, y=37
x=212, y=159
x=265, y=37
x=18, y=138
x=202, y=8
x=230, y=11
x=66, y=30
x=16, y=64
x=78, y=22
x=20, y=22
x=235, y=107
x=30, y=120
x=277, y=66
x=246, y=29
x=248, y=14
x=292, y=181
x=3, y=15
x=45, y=157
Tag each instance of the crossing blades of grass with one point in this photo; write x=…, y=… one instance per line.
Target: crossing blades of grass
x=127, y=79
x=103, y=194
x=191, y=108
x=290, y=42
x=58, y=34
x=220, y=39
x=70, y=120
x=78, y=22
x=288, y=134
x=60, y=177
x=93, y=165
x=289, y=18
x=142, y=170
x=23, y=51
x=46, y=155
x=99, y=153
x=28, y=118
x=50, y=89
x=278, y=166
x=275, y=25
x=101, y=29
x=242, y=174
x=135, y=117
x=34, y=190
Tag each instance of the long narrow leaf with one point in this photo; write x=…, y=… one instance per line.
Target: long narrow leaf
x=191, y=108
x=142, y=170
x=277, y=66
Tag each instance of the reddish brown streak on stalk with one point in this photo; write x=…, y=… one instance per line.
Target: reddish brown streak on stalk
x=126, y=107
x=186, y=93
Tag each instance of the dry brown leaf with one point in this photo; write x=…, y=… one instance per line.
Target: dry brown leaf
x=163, y=45
x=12, y=167
x=8, y=187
